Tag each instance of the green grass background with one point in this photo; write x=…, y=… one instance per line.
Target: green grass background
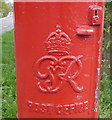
x=8, y=76
x=9, y=107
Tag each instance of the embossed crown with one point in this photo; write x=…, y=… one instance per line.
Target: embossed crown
x=58, y=43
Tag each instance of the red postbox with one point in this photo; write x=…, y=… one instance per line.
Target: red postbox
x=58, y=57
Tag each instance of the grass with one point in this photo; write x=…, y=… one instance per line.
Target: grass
x=9, y=107
x=8, y=76
x=104, y=104
x=0, y=76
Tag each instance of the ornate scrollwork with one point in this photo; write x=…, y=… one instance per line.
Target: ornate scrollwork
x=54, y=70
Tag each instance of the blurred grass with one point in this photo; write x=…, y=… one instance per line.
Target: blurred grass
x=8, y=82
x=104, y=104
x=8, y=76
x=0, y=77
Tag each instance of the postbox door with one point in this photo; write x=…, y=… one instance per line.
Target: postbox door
x=58, y=57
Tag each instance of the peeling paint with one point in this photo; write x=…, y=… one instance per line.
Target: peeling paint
x=98, y=69
x=96, y=99
x=98, y=75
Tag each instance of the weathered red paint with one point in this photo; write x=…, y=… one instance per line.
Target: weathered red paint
x=58, y=58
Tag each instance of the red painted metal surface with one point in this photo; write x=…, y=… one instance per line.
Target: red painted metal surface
x=58, y=58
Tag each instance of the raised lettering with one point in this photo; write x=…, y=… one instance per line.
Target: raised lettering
x=72, y=108
x=36, y=107
x=30, y=104
x=43, y=108
x=59, y=109
x=66, y=109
